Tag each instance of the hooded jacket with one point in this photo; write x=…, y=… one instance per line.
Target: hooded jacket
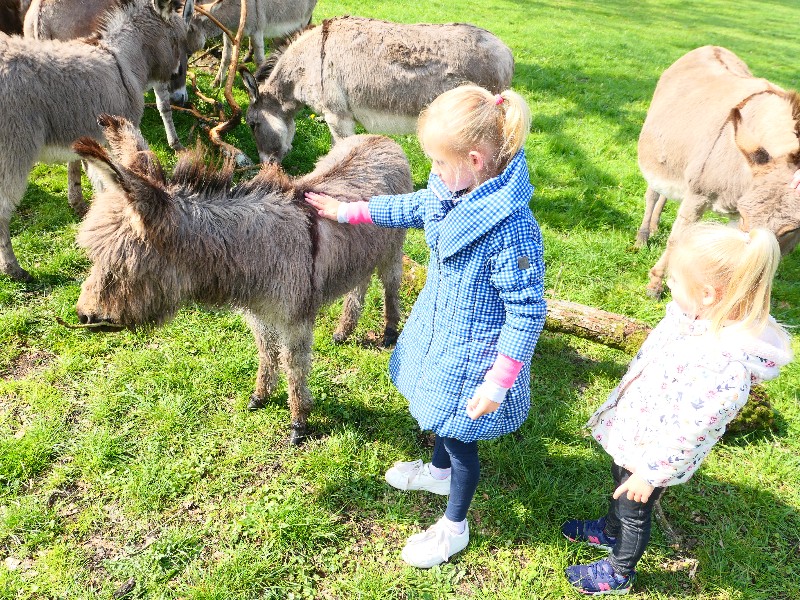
x=681, y=390
x=483, y=295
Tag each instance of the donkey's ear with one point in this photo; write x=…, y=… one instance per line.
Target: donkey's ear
x=129, y=148
x=188, y=11
x=146, y=196
x=747, y=142
x=165, y=8
x=250, y=84
x=93, y=153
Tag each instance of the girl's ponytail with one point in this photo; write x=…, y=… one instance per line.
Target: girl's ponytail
x=516, y=123
x=739, y=265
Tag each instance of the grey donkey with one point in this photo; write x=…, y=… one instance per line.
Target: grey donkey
x=377, y=73
x=158, y=243
x=71, y=19
x=265, y=19
x=52, y=92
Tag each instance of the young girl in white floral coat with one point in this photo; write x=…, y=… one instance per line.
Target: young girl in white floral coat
x=689, y=380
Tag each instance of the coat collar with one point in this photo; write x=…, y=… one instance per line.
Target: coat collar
x=479, y=211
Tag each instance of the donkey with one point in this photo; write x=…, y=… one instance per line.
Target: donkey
x=719, y=139
x=378, y=73
x=52, y=92
x=269, y=19
x=71, y=19
x=157, y=244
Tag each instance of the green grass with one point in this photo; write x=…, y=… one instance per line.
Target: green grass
x=132, y=457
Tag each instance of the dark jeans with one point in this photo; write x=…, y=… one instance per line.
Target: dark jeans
x=462, y=458
x=629, y=522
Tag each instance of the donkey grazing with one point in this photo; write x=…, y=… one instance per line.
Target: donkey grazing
x=265, y=19
x=719, y=139
x=71, y=19
x=52, y=92
x=158, y=244
x=377, y=73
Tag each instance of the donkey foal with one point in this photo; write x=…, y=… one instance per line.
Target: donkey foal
x=157, y=244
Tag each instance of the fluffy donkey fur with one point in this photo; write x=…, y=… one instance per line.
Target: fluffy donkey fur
x=157, y=243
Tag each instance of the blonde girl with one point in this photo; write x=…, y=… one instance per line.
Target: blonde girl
x=463, y=359
x=690, y=378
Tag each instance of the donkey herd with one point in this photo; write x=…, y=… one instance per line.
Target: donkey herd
x=72, y=78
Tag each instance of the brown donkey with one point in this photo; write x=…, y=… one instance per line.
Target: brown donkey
x=157, y=244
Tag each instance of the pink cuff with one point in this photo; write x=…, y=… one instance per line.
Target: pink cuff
x=504, y=371
x=358, y=212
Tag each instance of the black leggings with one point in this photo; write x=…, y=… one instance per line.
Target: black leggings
x=462, y=458
x=629, y=522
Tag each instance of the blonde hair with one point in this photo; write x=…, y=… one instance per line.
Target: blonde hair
x=738, y=265
x=470, y=117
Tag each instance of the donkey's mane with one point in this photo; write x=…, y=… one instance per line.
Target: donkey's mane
x=195, y=174
x=278, y=48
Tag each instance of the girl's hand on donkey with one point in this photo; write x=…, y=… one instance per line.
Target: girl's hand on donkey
x=479, y=406
x=326, y=206
x=637, y=488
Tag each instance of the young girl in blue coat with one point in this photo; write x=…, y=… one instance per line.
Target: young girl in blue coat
x=463, y=358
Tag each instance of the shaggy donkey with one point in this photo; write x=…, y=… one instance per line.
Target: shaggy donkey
x=719, y=139
x=51, y=93
x=72, y=19
x=377, y=73
x=269, y=19
x=157, y=244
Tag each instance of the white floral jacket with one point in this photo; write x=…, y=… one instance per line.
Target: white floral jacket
x=681, y=390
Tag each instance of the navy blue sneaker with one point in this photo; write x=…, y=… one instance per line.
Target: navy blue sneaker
x=590, y=532
x=598, y=579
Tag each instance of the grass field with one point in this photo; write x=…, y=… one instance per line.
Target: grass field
x=130, y=462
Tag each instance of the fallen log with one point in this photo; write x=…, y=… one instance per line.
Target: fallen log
x=607, y=328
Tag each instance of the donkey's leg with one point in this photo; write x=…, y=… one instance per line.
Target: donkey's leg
x=690, y=211
x=13, y=181
x=224, y=61
x=296, y=360
x=161, y=91
x=257, y=47
x=657, y=210
x=391, y=275
x=650, y=200
x=74, y=191
x=268, y=349
x=351, y=311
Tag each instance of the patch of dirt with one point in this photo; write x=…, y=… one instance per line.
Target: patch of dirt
x=26, y=363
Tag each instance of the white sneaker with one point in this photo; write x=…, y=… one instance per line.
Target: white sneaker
x=434, y=546
x=414, y=475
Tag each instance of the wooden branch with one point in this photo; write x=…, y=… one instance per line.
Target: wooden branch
x=218, y=131
x=610, y=329
x=205, y=12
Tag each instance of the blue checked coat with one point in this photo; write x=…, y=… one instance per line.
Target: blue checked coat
x=483, y=296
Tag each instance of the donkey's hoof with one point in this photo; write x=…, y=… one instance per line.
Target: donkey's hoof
x=256, y=402
x=17, y=273
x=299, y=434
x=339, y=338
x=390, y=336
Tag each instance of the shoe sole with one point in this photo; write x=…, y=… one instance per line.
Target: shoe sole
x=447, y=493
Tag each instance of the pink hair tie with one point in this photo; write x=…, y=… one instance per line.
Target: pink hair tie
x=498, y=100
